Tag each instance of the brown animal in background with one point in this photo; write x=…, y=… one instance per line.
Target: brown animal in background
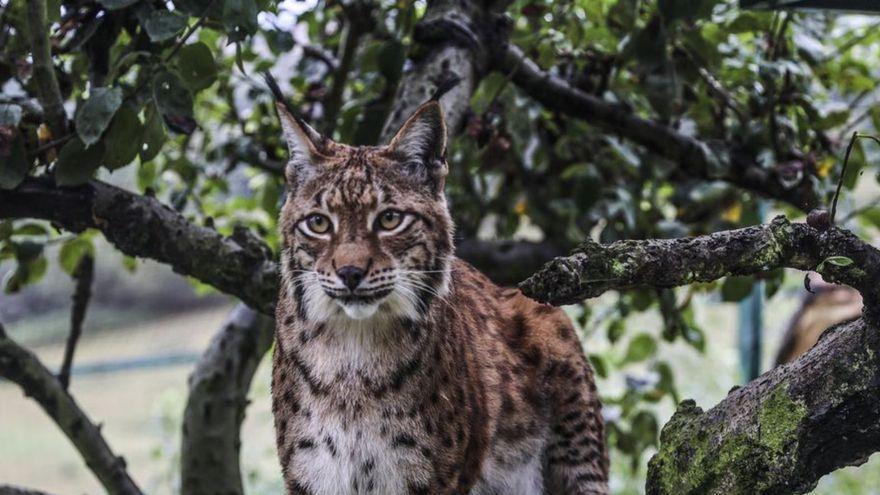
x=825, y=307
x=399, y=369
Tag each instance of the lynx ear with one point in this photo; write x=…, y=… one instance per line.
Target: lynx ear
x=303, y=143
x=423, y=135
x=421, y=144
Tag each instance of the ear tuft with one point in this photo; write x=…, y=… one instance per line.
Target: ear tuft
x=423, y=136
x=303, y=144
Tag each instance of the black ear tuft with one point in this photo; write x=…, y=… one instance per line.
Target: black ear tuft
x=303, y=143
x=445, y=86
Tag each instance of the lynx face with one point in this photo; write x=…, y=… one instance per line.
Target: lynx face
x=366, y=230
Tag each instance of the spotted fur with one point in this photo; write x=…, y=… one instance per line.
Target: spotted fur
x=421, y=377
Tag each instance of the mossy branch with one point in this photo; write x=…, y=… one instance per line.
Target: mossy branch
x=23, y=368
x=593, y=269
x=783, y=431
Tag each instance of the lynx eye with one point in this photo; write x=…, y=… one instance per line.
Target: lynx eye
x=318, y=224
x=390, y=219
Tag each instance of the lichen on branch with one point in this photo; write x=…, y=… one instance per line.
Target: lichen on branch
x=783, y=431
x=592, y=268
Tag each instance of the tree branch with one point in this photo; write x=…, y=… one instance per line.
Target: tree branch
x=240, y=265
x=22, y=367
x=593, y=268
x=84, y=273
x=17, y=490
x=215, y=409
x=43, y=69
x=459, y=37
x=694, y=157
x=783, y=431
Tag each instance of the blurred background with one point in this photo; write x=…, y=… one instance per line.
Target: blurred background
x=788, y=87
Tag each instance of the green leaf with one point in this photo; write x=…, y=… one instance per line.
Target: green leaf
x=76, y=163
x=171, y=96
x=163, y=25
x=31, y=229
x=616, y=329
x=130, y=263
x=123, y=138
x=488, y=88
x=838, y=260
x=14, y=166
x=72, y=251
x=644, y=427
x=195, y=64
x=95, y=114
x=599, y=365
x=117, y=4
x=240, y=18
x=641, y=347
x=154, y=134
x=667, y=381
x=736, y=288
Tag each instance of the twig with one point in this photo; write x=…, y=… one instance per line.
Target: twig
x=849, y=148
x=84, y=274
x=189, y=32
x=318, y=53
x=43, y=69
x=721, y=93
x=21, y=366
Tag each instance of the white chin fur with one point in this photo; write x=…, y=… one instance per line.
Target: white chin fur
x=358, y=311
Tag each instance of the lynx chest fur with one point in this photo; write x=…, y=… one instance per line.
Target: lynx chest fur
x=399, y=369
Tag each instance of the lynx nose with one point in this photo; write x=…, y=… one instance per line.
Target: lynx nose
x=351, y=276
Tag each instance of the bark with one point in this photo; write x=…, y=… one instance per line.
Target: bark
x=783, y=431
x=215, y=409
x=22, y=367
x=592, y=269
x=240, y=265
x=700, y=159
x=456, y=39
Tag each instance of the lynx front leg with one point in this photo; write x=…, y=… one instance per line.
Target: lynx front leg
x=575, y=460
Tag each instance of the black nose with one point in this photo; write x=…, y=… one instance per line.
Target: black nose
x=351, y=276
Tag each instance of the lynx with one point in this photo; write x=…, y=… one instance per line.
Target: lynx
x=400, y=369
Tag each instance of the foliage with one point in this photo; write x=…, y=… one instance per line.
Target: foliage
x=163, y=96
